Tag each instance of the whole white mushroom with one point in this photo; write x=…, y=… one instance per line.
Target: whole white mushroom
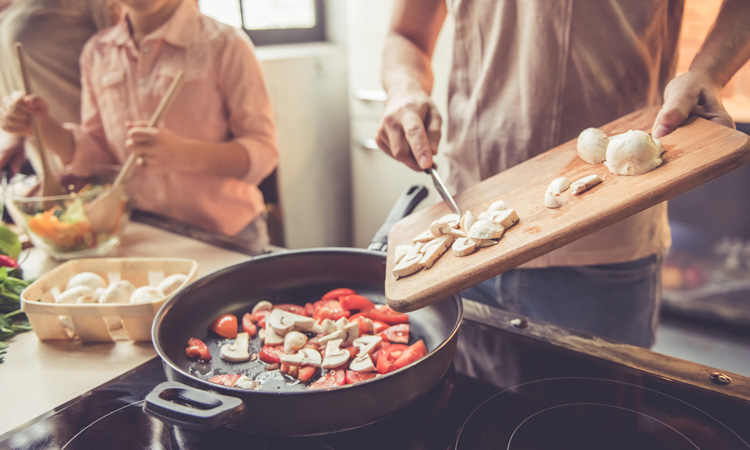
x=118, y=292
x=91, y=280
x=592, y=145
x=633, y=153
x=77, y=294
x=170, y=284
x=146, y=294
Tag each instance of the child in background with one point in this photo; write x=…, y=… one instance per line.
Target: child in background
x=217, y=140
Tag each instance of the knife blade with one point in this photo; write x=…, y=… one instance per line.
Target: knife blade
x=440, y=186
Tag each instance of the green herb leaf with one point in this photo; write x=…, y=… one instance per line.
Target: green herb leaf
x=9, y=243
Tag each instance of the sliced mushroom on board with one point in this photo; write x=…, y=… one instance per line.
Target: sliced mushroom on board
x=585, y=183
x=463, y=235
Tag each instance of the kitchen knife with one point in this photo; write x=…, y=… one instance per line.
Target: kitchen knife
x=443, y=190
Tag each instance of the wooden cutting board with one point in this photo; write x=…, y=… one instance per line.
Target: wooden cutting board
x=695, y=153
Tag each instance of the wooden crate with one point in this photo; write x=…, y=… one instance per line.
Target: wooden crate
x=96, y=322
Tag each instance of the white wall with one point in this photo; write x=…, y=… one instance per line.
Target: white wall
x=307, y=85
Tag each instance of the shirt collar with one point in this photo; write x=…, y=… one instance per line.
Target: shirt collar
x=178, y=30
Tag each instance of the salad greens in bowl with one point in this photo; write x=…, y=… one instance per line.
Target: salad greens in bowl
x=64, y=225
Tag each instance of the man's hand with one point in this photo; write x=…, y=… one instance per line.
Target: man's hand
x=691, y=93
x=16, y=112
x=158, y=149
x=410, y=129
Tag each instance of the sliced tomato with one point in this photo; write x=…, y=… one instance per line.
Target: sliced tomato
x=385, y=314
x=337, y=293
x=378, y=349
x=332, y=378
x=378, y=326
x=292, y=308
x=248, y=326
x=355, y=377
x=329, y=309
x=306, y=373
x=225, y=380
x=396, y=333
x=355, y=301
x=271, y=354
x=388, y=356
x=197, y=349
x=225, y=326
x=411, y=354
x=309, y=309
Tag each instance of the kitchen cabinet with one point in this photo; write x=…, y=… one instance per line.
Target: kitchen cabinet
x=377, y=180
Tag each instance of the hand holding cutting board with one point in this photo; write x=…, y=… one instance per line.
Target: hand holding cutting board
x=694, y=154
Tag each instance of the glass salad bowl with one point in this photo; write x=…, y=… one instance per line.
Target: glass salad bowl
x=88, y=220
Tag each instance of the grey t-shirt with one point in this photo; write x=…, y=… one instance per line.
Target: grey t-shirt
x=528, y=75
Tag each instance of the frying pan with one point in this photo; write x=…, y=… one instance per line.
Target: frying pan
x=282, y=408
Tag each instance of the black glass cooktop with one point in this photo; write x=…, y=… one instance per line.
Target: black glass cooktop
x=504, y=391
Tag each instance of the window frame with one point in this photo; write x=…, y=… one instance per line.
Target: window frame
x=281, y=36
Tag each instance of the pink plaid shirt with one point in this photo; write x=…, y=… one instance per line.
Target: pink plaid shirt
x=223, y=98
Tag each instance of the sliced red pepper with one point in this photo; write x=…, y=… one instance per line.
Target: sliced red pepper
x=387, y=356
x=332, y=378
x=337, y=293
x=197, y=349
x=292, y=308
x=228, y=379
x=355, y=377
x=411, y=354
x=329, y=309
x=271, y=354
x=306, y=373
x=378, y=326
x=225, y=326
x=355, y=301
x=248, y=326
x=385, y=314
x=396, y=333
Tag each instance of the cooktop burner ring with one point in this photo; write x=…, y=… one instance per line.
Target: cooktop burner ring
x=590, y=413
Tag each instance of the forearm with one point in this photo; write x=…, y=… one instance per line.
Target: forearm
x=405, y=66
x=56, y=138
x=407, y=54
x=727, y=46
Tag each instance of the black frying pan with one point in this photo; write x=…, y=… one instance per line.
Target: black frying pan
x=291, y=277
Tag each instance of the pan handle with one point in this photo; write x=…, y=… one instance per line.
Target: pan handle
x=187, y=407
x=405, y=204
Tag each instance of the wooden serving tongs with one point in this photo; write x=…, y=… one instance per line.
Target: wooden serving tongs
x=50, y=186
x=100, y=211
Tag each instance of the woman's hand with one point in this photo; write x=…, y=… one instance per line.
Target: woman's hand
x=692, y=93
x=157, y=149
x=410, y=129
x=16, y=112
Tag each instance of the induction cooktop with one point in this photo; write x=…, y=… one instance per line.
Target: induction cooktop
x=514, y=385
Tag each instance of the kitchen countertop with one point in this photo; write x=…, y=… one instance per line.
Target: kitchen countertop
x=38, y=376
